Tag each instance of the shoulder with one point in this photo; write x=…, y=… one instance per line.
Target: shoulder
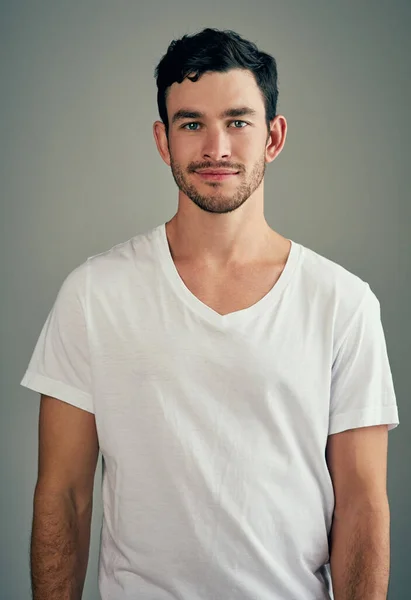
x=112, y=269
x=328, y=275
x=125, y=260
x=336, y=291
x=124, y=253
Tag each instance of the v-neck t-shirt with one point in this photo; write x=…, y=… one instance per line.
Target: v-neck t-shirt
x=213, y=428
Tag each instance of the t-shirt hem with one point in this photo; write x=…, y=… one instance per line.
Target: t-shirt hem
x=383, y=415
x=57, y=389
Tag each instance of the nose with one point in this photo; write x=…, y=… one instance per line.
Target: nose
x=216, y=145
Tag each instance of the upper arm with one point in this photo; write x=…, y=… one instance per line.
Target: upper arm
x=357, y=461
x=68, y=449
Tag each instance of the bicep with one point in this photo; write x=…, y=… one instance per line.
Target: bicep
x=357, y=461
x=68, y=449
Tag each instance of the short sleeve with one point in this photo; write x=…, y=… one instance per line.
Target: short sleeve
x=362, y=390
x=60, y=365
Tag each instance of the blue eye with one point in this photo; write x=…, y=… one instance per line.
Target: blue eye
x=187, y=125
x=243, y=122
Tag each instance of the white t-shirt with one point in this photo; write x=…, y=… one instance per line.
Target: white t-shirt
x=213, y=428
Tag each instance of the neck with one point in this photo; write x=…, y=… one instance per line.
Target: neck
x=221, y=242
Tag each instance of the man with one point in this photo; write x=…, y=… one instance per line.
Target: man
x=236, y=382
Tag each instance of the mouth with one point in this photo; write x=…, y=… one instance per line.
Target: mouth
x=216, y=175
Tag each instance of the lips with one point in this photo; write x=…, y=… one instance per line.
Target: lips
x=218, y=172
x=216, y=175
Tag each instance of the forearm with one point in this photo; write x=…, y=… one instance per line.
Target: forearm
x=59, y=547
x=360, y=553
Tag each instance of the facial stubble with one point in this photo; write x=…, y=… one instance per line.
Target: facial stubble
x=218, y=201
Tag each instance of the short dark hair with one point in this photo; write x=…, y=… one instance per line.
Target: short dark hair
x=214, y=50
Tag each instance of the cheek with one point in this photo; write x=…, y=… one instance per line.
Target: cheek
x=184, y=151
x=248, y=146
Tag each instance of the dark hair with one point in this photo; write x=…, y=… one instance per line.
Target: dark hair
x=219, y=51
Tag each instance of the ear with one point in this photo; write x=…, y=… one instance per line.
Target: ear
x=276, y=138
x=159, y=130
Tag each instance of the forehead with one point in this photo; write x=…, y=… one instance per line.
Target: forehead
x=215, y=92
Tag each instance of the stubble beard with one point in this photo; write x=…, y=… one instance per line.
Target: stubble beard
x=218, y=201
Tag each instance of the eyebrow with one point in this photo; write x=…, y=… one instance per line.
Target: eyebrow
x=243, y=111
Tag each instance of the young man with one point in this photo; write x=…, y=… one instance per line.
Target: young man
x=236, y=382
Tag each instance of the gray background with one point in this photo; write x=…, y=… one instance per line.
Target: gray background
x=80, y=172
